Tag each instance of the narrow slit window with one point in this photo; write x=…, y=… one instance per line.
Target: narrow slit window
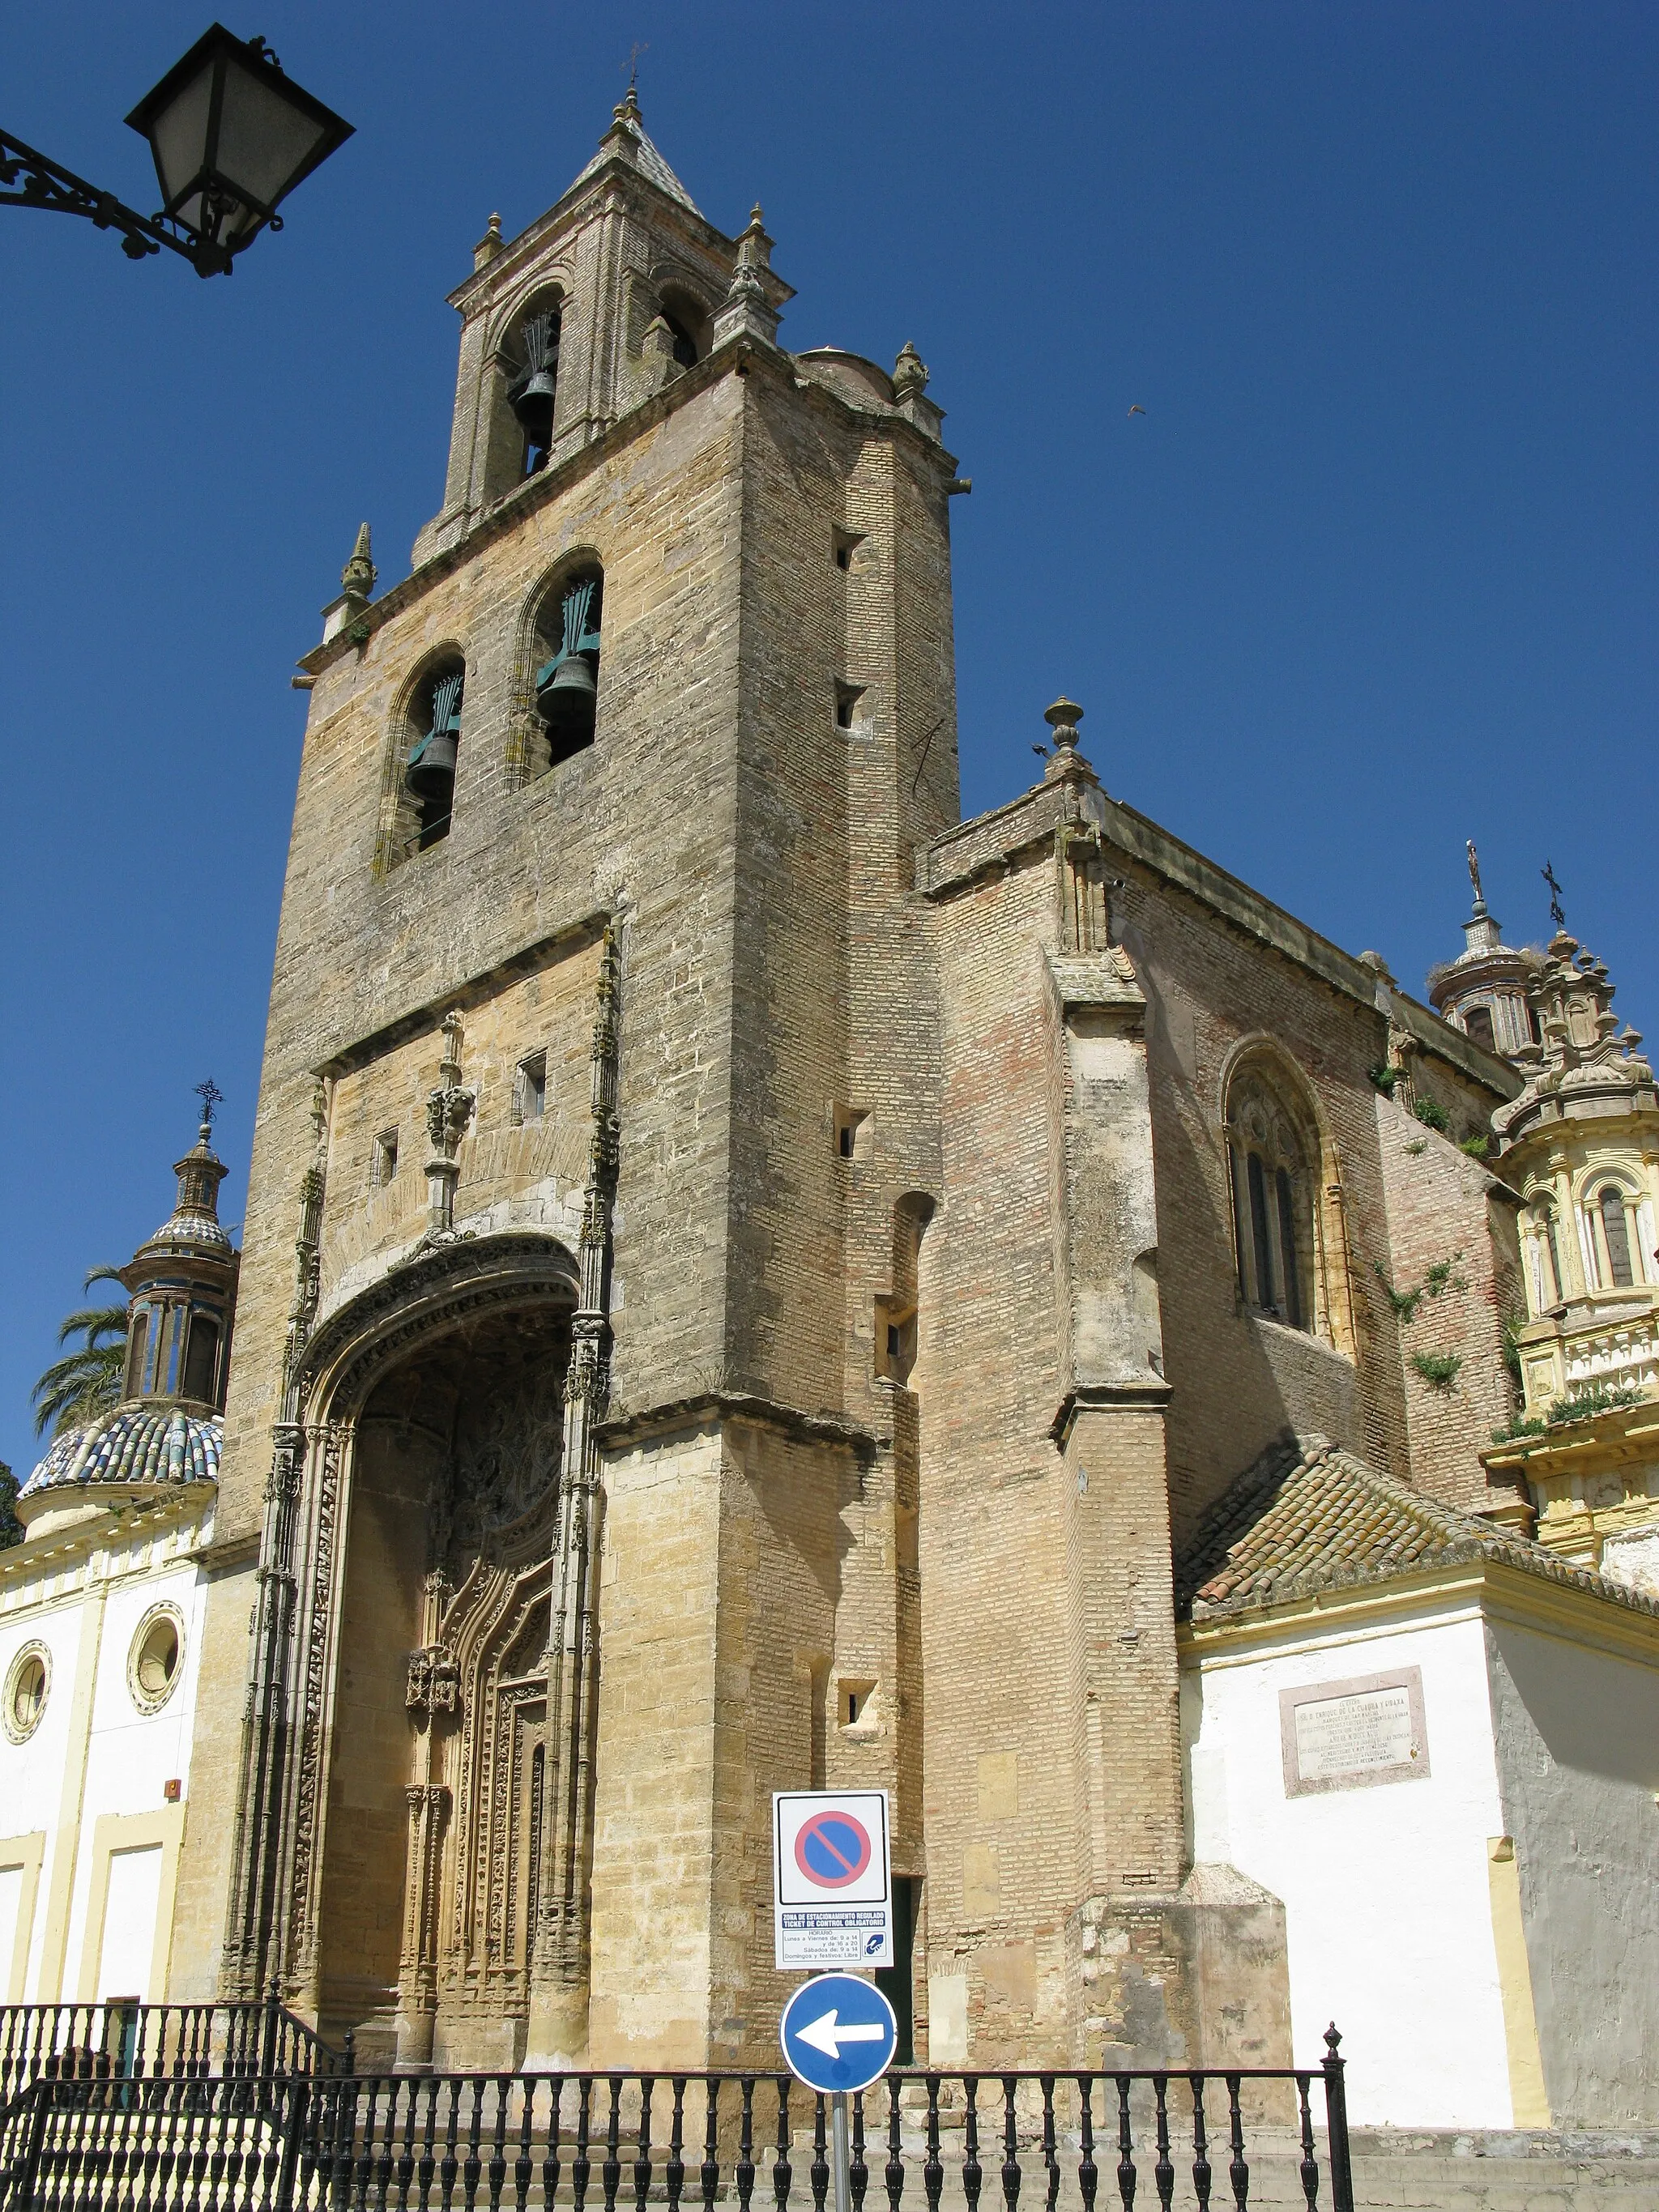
x=385, y=1167
x=137, y=1346
x=202, y=1360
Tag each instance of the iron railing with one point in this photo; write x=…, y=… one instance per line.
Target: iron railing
x=926, y=2141
x=129, y=2041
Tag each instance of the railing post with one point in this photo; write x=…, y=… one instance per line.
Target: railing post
x=1336, y=2125
x=272, y=2025
x=29, y=2179
x=299, y=2088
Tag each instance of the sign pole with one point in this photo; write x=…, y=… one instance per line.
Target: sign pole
x=841, y=2152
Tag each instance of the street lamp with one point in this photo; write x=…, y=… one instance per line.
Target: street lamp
x=231, y=136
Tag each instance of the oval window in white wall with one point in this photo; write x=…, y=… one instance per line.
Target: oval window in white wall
x=156, y=1658
x=28, y=1679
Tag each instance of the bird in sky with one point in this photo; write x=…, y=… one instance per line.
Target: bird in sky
x=1137, y=410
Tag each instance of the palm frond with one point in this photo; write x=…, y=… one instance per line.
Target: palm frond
x=79, y=1388
x=94, y=1321
x=102, y=1275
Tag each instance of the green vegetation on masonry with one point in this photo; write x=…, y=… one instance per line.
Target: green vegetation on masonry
x=1440, y=1277
x=1384, y=1077
x=1567, y=1413
x=1432, y=1116
x=1439, y=1370
x=1476, y=1147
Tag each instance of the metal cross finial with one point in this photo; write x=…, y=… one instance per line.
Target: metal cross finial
x=211, y=1096
x=1556, y=915
x=1474, y=870
x=638, y=48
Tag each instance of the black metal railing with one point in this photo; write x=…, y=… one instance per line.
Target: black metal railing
x=126, y=2041
x=597, y=2142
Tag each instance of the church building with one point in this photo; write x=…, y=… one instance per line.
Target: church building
x=750, y=1282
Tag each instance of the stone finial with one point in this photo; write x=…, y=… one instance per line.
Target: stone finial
x=1063, y=719
x=358, y=576
x=748, y=311
x=910, y=373
x=489, y=245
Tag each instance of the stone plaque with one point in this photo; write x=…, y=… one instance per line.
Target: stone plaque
x=1351, y=1735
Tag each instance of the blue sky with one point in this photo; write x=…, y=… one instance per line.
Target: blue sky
x=1373, y=572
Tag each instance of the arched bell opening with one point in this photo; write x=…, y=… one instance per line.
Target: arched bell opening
x=425, y=750
x=523, y=398
x=428, y=1877
x=564, y=653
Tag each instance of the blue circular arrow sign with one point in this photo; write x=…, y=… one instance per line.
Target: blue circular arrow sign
x=838, y=2033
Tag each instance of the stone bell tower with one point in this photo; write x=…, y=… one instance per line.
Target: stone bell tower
x=569, y=1482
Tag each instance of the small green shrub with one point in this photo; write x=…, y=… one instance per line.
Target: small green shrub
x=1476, y=1147
x=1384, y=1077
x=1431, y=1115
x=1515, y=1428
x=1416, y=1147
x=1585, y=1405
x=1439, y=1370
x=1440, y=1277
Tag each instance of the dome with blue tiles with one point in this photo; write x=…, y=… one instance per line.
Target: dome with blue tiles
x=149, y=1445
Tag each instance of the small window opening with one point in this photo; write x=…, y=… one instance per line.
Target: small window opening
x=530, y=1089
x=137, y=1344
x=845, y=544
x=158, y=1660
x=531, y=393
x=202, y=1360
x=847, y=699
x=429, y=774
x=1616, y=1231
x=385, y=1167
x=848, y=1122
x=685, y=346
x=28, y=1695
x=567, y=681
x=1478, y=1023
x=896, y=1340
x=854, y=1699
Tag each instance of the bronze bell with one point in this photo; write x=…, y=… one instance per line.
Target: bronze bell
x=569, y=701
x=433, y=776
x=532, y=403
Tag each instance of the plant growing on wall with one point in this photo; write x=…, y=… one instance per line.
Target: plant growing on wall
x=1567, y=1413
x=1384, y=1077
x=1431, y=1115
x=1439, y=1370
x=1476, y=1147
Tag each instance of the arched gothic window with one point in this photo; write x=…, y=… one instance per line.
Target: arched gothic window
x=1616, y=1239
x=1273, y=1162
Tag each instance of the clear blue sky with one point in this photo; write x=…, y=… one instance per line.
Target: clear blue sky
x=1373, y=572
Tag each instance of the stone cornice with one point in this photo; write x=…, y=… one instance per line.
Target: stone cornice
x=1152, y=1396
x=1610, y=1439
x=633, y=1426
x=140, y=1522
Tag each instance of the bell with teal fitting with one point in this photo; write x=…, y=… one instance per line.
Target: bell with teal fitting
x=567, y=687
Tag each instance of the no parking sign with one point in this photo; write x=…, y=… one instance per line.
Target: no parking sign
x=832, y=1878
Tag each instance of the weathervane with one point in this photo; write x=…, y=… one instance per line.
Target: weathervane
x=211, y=1096
x=1556, y=915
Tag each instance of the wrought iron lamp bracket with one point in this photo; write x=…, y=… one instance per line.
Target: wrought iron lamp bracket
x=31, y=180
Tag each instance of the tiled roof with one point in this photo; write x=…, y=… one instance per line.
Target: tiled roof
x=135, y=1443
x=649, y=163
x=1309, y=1516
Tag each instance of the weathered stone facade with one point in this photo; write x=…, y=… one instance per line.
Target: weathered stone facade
x=778, y=1268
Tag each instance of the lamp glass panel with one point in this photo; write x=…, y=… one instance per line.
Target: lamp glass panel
x=178, y=135
x=264, y=140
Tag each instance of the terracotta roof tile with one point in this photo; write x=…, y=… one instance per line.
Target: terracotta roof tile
x=1309, y=1516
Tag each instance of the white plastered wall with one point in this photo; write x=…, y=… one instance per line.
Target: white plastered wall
x=1578, y=1751
x=94, y=1762
x=1386, y=1886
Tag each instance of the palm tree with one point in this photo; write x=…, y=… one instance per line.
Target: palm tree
x=88, y=1381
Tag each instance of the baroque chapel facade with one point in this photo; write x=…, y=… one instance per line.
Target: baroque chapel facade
x=751, y=1282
